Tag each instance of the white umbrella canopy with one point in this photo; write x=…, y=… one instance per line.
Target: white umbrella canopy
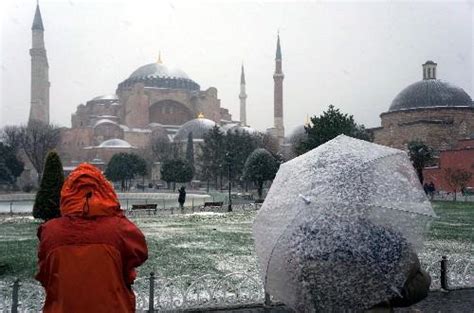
x=348, y=206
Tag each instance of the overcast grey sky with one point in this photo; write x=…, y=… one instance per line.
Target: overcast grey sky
x=355, y=55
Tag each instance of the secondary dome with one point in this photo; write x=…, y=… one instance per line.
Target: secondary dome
x=159, y=75
x=106, y=97
x=115, y=143
x=243, y=129
x=198, y=126
x=430, y=93
x=296, y=135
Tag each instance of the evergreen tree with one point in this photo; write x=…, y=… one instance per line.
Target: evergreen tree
x=124, y=167
x=328, y=126
x=212, y=155
x=176, y=171
x=48, y=197
x=11, y=165
x=260, y=167
x=420, y=155
x=239, y=145
x=190, y=150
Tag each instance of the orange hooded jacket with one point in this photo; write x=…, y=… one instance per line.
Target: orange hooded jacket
x=87, y=257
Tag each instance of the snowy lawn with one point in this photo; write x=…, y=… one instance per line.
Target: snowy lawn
x=219, y=243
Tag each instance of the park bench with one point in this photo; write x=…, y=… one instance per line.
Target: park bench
x=151, y=207
x=213, y=204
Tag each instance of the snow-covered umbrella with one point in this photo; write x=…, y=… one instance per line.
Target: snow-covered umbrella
x=340, y=226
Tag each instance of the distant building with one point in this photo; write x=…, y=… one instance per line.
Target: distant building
x=460, y=157
x=431, y=110
x=155, y=101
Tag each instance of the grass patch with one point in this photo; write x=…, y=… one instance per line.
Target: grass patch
x=218, y=243
x=455, y=222
x=18, y=245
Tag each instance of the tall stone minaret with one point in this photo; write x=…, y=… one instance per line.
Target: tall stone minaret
x=39, y=109
x=278, y=95
x=243, y=99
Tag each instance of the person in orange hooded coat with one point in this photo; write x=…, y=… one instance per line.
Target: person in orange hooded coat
x=87, y=257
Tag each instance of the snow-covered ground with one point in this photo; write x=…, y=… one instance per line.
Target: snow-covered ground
x=200, y=249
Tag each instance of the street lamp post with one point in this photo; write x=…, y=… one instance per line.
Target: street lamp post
x=229, y=162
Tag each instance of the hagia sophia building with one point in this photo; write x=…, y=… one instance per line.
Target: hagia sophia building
x=158, y=101
x=154, y=101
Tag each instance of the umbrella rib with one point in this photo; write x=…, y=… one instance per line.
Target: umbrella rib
x=278, y=239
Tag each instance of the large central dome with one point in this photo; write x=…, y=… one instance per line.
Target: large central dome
x=159, y=75
x=430, y=93
x=158, y=70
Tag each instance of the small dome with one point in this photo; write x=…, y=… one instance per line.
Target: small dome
x=159, y=70
x=106, y=97
x=430, y=93
x=104, y=121
x=244, y=129
x=115, y=143
x=228, y=126
x=198, y=126
x=296, y=135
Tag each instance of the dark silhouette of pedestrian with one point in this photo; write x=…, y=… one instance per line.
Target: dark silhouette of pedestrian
x=431, y=190
x=182, y=197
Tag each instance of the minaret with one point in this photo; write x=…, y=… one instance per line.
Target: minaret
x=39, y=109
x=243, y=99
x=278, y=95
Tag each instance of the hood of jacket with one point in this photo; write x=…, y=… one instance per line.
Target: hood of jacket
x=86, y=192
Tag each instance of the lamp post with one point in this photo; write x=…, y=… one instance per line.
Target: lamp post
x=228, y=157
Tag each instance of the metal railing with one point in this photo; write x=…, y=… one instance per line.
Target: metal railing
x=161, y=294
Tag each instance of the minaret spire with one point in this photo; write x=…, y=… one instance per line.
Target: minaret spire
x=159, y=58
x=243, y=98
x=278, y=76
x=39, y=109
x=37, y=20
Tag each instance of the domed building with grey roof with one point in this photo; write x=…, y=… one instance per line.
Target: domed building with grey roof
x=155, y=100
x=431, y=110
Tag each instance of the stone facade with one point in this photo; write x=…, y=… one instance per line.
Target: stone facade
x=439, y=128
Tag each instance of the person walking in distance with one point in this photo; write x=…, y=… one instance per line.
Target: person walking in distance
x=182, y=197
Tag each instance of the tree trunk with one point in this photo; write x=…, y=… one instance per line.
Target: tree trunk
x=454, y=199
x=419, y=171
x=260, y=190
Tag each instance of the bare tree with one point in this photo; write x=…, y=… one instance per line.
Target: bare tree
x=11, y=137
x=37, y=139
x=457, y=179
x=164, y=150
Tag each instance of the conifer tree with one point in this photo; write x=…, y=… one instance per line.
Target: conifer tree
x=48, y=197
x=190, y=150
x=260, y=167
